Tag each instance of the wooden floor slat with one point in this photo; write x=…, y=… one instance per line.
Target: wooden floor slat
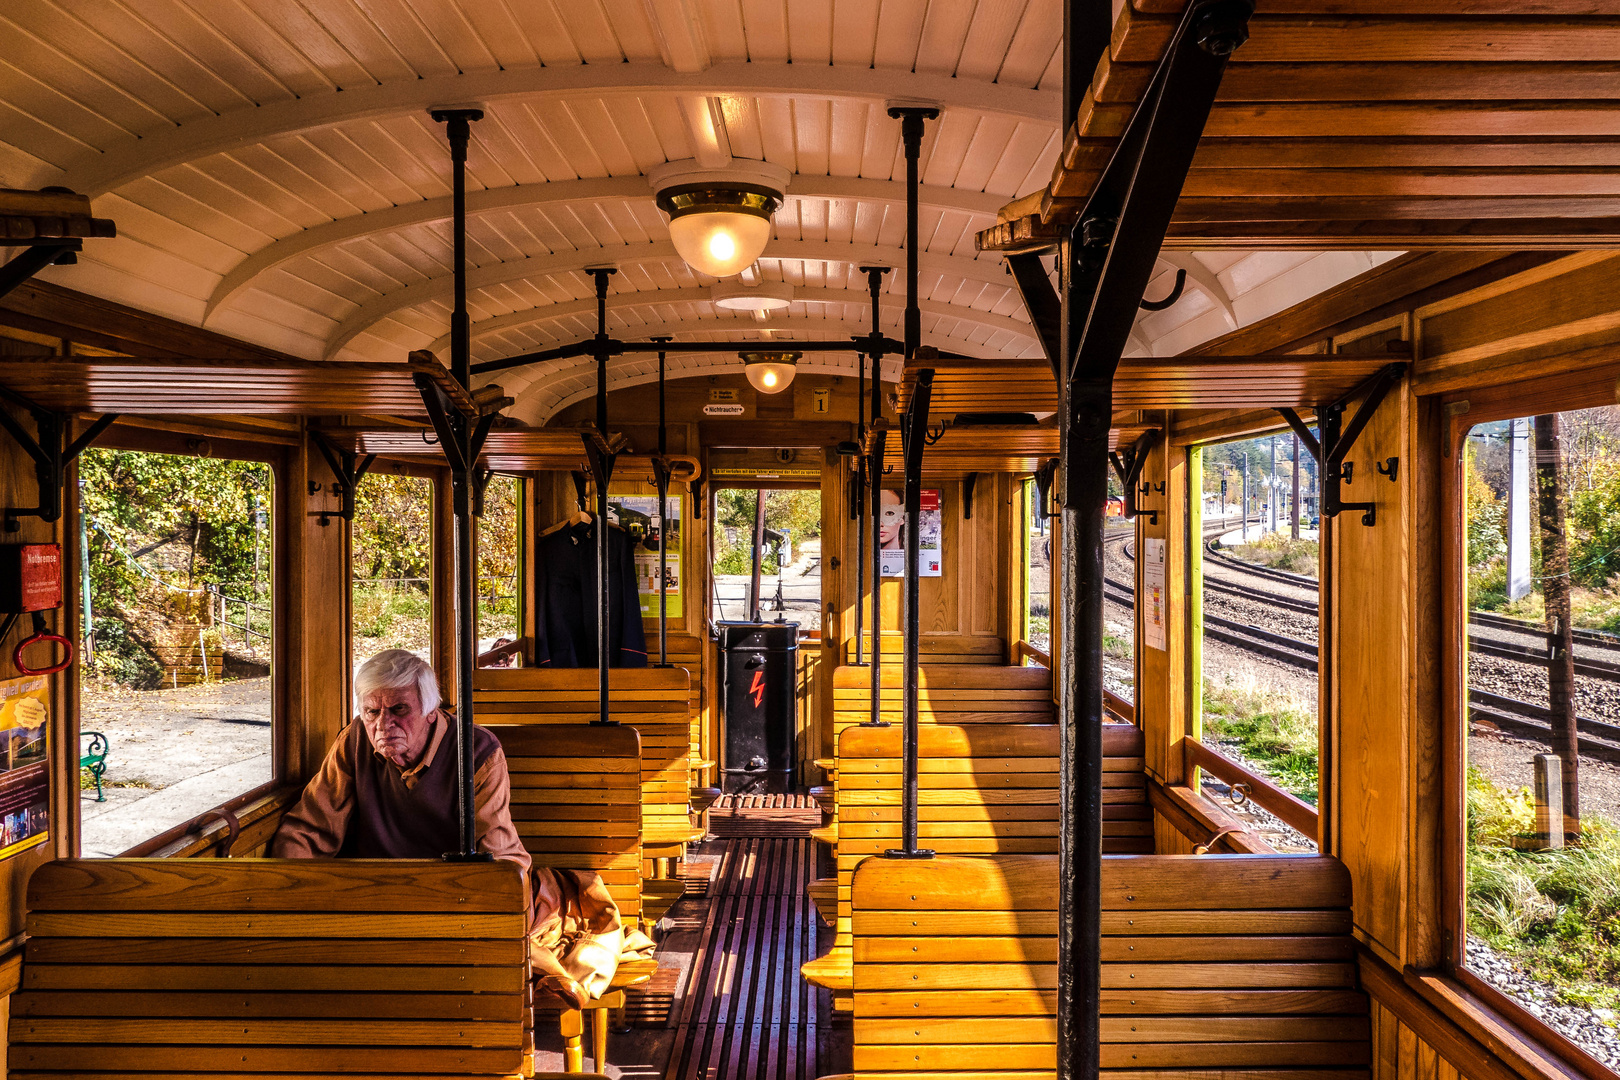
x=747, y=1014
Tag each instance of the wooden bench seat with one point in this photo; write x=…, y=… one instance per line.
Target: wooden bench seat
x=653, y=701
x=1213, y=966
x=984, y=789
x=273, y=967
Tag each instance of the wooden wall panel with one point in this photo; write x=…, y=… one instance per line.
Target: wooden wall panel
x=1369, y=691
x=1163, y=707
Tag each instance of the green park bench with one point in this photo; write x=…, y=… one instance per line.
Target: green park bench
x=95, y=759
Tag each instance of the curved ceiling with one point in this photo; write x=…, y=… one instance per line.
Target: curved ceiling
x=274, y=173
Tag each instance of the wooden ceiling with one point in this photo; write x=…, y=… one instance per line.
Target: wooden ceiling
x=275, y=176
x=175, y=386
x=1369, y=123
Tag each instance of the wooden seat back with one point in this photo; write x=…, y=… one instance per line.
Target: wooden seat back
x=935, y=649
x=1212, y=966
x=653, y=701
x=983, y=789
x=255, y=967
x=947, y=694
x=576, y=801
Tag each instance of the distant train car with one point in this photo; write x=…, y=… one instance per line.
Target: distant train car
x=1114, y=507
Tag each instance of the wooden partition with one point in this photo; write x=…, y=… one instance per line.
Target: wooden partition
x=261, y=967
x=1212, y=966
x=934, y=649
x=653, y=701
x=985, y=789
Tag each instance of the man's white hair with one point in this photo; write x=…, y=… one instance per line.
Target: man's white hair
x=395, y=669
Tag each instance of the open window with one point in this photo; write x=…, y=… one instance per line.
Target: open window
x=767, y=555
x=391, y=539
x=176, y=697
x=1258, y=565
x=1537, y=908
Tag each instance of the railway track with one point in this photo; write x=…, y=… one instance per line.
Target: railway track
x=1597, y=738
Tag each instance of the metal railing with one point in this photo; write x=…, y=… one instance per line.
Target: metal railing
x=1291, y=810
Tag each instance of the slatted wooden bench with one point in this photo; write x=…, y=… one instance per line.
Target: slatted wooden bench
x=984, y=789
x=1213, y=966
x=258, y=967
x=576, y=803
x=654, y=701
x=954, y=693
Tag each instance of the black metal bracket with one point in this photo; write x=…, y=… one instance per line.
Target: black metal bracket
x=480, y=483
x=1042, y=302
x=1389, y=467
x=1307, y=437
x=350, y=469
x=579, y=488
x=1128, y=468
x=36, y=257
x=1338, y=438
x=1045, y=506
x=695, y=486
x=51, y=457
x=969, y=482
x=1175, y=294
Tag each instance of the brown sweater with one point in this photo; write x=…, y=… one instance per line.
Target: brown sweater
x=361, y=805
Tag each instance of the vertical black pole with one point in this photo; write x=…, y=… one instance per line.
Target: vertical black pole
x=874, y=484
x=661, y=475
x=914, y=424
x=458, y=130
x=602, y=462
x=859, y=489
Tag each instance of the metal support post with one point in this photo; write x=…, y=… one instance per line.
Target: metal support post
x=461, y=439
x=911, y=119
x=873, y=459
x=913, y=436
x=1105, y=264
x=661, y=480
x=601, y=457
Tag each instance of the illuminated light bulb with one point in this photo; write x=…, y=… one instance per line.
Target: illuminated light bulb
x=771, y=372
x=719, y=220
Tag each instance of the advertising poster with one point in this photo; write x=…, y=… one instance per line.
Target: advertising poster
x=1153, y=587
x=638, y=515
x=25, y=778
x=892, y=533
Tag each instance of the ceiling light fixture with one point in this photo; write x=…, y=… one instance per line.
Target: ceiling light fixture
x=771, y=372
x=765, y=297
x=719, y=220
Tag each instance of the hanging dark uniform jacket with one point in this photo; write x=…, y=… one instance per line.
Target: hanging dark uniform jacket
x=565, y=571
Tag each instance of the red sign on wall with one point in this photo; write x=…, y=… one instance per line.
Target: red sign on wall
x=30, y=577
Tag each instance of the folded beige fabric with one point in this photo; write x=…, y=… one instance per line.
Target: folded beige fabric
x=577, y=939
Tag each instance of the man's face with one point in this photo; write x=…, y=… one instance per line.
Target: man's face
x=396, y=724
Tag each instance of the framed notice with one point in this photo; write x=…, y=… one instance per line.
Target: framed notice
x=650, y=530
x=1153, y=597
x=25, y=774
x=892, y=533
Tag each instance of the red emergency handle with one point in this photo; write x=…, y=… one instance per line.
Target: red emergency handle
x=67, y=654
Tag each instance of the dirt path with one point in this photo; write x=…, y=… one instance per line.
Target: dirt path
x=172, y=754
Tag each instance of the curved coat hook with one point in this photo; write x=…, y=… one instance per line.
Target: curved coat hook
x=1175, y=294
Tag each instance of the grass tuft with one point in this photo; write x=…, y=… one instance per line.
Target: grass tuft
x=1555, y=913
x=1275, y=731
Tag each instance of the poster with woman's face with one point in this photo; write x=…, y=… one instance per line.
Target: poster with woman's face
x=891, y=531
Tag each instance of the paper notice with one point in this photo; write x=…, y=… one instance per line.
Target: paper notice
x=1153, y=598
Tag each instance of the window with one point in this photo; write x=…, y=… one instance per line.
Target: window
x=1036, y=531
x=498, y=532
x=1259, y=566
x=1540, y=849
x=392, y=544
x=789, y=585
x=176, y=662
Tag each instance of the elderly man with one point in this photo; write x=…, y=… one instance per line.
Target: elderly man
x=387, y=790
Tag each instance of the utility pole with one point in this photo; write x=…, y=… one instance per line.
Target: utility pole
x=759, y=556
x=1555, y=589
x=1244, y=513
x=1272, y=483
x=1518, y=510
x=1293, y=501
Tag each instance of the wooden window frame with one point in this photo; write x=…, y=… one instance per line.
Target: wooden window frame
x=1471, y=1000
x=273, y=451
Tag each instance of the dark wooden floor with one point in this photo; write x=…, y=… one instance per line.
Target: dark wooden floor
x=728, y=1003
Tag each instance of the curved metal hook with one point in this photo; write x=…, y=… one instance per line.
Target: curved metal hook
x=932, y=435
x=1175, y=294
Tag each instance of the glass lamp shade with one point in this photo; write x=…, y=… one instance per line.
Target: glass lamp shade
x=771, y=373
x=719, y=243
